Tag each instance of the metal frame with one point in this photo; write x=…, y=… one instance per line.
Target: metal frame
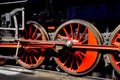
x=13, y=2
x=16, y=28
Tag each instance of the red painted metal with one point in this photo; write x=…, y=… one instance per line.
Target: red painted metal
x=50, y=44
x=51, y=27
x=114, y=56
x=79, y=55
x=77, y=61
x=29, y=55
x=97, y=47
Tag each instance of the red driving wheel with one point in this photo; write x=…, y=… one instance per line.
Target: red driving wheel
x=77, y=61
x=114, y=56
x=32, y=57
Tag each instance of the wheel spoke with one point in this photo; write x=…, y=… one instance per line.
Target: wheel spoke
x=30, y=31
x=40, y=35
x=71, y=28
x=82, y=54
x=71, y=65
x=31, y=62
x=84, y=41
x=83, y=34
x=66, y=32
x=35, y=51
x=35, y=59
x=66, y=60
x=80, y=57
x=78, y=30
x=62, y=37
x=34, y=34
x=26, y=58
x=118, y=62
x=23, y=55
x=77, y=62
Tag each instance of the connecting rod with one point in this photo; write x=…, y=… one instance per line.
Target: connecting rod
x=51, y=44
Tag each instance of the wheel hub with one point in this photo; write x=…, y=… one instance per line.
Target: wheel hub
x=69, y=44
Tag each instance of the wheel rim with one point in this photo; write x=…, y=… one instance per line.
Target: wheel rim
x=77, y=61
x=115, y=56
x=31, y=57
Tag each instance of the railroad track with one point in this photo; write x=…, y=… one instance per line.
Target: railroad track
x=49, y=73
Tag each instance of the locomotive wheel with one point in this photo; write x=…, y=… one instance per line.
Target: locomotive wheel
x=2, y=61
x=114, y=57
x=31, y=57
x=77, y=61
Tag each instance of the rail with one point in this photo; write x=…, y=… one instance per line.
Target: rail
x=50, y=73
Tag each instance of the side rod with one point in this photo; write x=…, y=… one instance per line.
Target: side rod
x=51, y=44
